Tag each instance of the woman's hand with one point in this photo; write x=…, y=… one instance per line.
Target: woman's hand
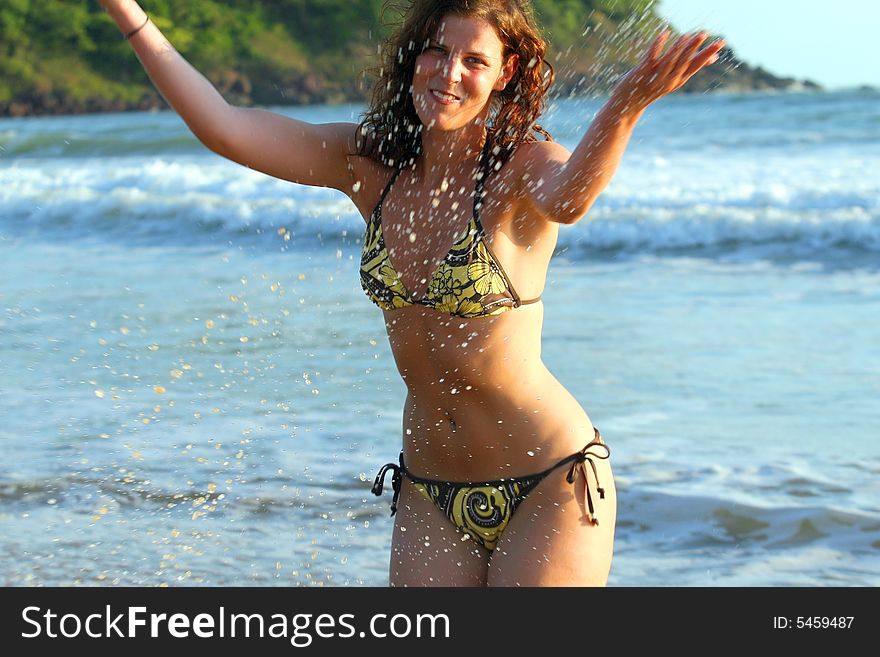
x=660, y=74
x=573, y=183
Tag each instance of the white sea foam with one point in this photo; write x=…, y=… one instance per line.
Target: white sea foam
x=173, y=200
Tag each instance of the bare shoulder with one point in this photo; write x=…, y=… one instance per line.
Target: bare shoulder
x=530, y=235
x=531, y=169
x=531, y=159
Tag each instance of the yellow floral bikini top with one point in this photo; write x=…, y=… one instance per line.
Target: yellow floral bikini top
x=469, y=282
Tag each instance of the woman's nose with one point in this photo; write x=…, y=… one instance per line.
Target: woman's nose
x=451, y=69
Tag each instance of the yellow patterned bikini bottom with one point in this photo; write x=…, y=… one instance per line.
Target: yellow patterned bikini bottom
x=481, y=510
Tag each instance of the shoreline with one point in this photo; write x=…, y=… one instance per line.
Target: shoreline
x=161, y=106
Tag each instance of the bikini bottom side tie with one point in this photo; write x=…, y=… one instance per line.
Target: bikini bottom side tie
x=580, y=460
x=396, y=481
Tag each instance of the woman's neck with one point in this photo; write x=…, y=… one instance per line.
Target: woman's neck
x=446, y=151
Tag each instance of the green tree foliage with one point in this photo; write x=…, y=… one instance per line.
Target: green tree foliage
x=67, y=56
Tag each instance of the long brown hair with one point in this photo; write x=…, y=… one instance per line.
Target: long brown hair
x=390, y=131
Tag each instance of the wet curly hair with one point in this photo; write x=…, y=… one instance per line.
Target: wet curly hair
x=390, y=131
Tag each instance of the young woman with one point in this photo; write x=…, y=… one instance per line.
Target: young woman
x=503, y=480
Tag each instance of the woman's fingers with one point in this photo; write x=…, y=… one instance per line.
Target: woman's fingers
x=685, y=58
x=657, y=47
x=671, y=56
x=679, y=51
x=693, y=45
x=708, y=55
x=660, y=73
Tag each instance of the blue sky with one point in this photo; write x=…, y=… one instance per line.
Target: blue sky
x=832, y=43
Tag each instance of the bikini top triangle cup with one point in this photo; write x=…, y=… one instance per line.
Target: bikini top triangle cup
x=469, y=282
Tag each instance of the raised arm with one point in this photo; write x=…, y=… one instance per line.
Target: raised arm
x=563, y=187
x=274, y=144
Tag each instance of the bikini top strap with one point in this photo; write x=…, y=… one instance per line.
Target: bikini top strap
x=483, y=170
x=479, y=191
x=387, y=189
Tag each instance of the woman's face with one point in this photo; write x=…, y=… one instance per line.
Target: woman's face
x=457, y=72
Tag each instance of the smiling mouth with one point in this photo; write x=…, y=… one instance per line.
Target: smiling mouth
x=445, y=97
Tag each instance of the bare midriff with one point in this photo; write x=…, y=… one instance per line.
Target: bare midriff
x=481, y=404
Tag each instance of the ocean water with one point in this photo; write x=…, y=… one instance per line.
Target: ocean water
x=194, y=390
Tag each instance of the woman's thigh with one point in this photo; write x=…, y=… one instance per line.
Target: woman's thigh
x=549, y=540
x=428, y=550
